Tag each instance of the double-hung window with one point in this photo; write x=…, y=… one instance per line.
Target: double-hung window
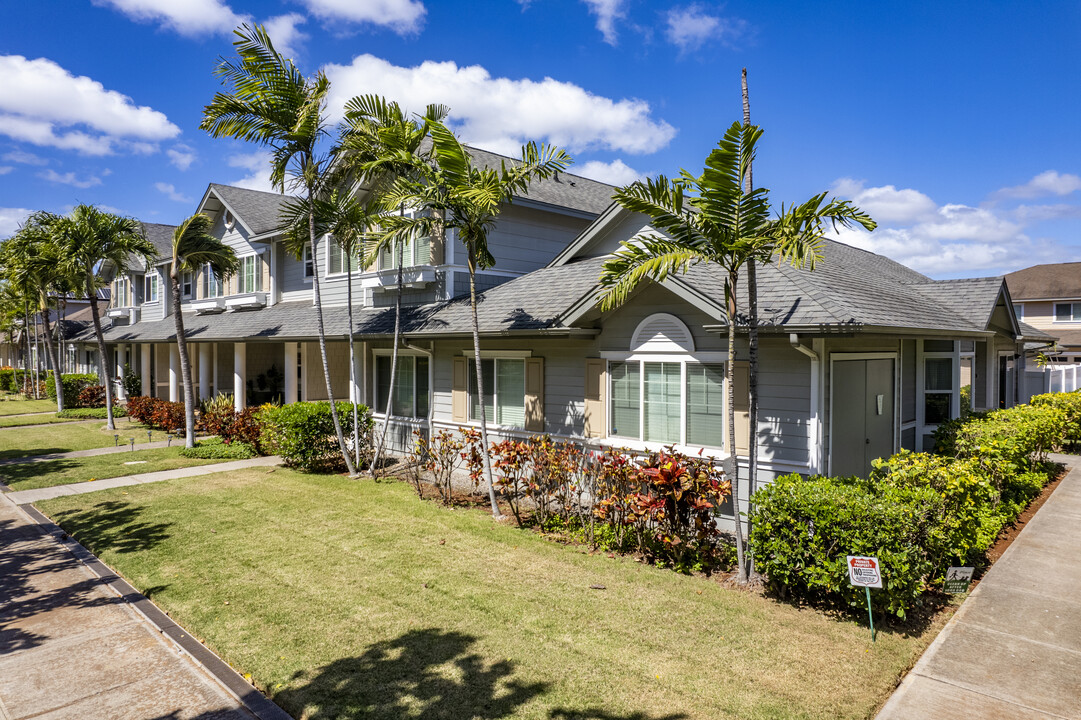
x=309, y=263
x=153, y=287
x=250, y=279
x=938, y=390
x=212, y=285
x=1068, y=312
x=338, y=260
x=410, y=385
x=121, y=291
x=187, y=284
x=669, y=402
x=504, y=391
x=415, y=252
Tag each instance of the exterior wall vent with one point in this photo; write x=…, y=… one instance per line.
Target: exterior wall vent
x=662, y=333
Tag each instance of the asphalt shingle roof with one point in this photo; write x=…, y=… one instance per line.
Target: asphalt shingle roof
x=1055, y=280
x=161, y=236
x=260, y=211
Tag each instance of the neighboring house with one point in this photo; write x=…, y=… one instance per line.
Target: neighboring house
x=1048, y=297
x=69, y=322
x=860, y=358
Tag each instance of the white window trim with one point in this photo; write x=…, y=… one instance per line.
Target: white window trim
x=151, y=278
x=208, y=273
x=191, y=282
x=331, y=243
x=404, y=352
x=639, y=443
x=1054, y=313
x=258, y=277
x=304, y=263
x=491, y=355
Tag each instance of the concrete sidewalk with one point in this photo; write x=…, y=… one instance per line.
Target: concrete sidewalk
x=72, y=647
x=26, y=497
x=1013, y=650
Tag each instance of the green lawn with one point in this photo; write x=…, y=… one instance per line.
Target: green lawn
x=354, y=599
x=74, y=470
x=22, y=442
x=18, y=406
x=19, y=421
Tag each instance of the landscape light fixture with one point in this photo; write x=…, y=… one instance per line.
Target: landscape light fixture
x=148, y=435
x=132, y=443
x=116, y=439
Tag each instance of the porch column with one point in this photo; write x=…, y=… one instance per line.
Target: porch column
x=206, y=364
x=291, y=395
x=174, y=373
x=240, y=375
x=120, y=349
x=145, y=369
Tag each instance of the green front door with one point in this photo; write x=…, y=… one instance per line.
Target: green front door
x=863, y=414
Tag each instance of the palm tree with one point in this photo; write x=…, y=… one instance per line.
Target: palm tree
x=379, y=144
x=194, y=247
x=715, y=218
x=467, y=198
x=91, y=242
x=274, y=105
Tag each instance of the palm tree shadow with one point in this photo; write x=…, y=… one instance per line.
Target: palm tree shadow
x=113, y=525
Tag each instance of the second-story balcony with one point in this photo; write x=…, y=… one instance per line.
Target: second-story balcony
x=415, y=276
x=246, y=301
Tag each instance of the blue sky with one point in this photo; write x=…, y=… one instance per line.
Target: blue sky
x=955, y=124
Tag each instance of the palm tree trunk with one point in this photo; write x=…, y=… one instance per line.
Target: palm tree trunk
x=752, y=365
x=28, y=373
x=393, y=355
x=352, y=356
x=37, y=356
x=185, y=362
x=54, y=358
x=480, y=387
x=95, y=315
x=321, y=327
x=729, y=380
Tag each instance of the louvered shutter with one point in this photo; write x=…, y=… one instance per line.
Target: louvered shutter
x=596, y=411
x=460, y=390
x=534, y=394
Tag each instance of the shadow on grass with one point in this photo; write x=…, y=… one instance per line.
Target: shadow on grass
x=112, y=525
x=21, y=473
x=429, y=674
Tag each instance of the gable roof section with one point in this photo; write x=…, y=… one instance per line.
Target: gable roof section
x=1046, y=282
x=258, y=212
x=975, y=299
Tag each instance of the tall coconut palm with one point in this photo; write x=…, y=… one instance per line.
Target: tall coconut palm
x=274, y=105
x=379, y=144
x=93, y=242
x=467, y=198
x=714, y=218
x=194, y=247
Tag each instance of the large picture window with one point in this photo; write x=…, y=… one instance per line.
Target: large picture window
x=251, y=274
x=410, y=385
x=651, y=402
x=338, y=260
x=504, y=384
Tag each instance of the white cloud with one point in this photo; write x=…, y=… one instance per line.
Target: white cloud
x=951, y=239
x=1045, y=184
x=11, y=219
x=258, y=166
x=40, y=101
x=25, y=158
x=401, y=16
x=187, y=17
x=1039, y=213
x=5, y=169
x=285, y=34
x=500, y=114
x=691, y=27
x=170, y=191
x=887, y=204
x=607, y=13
x=616, y=172
x=181, y=156
x=70, y=178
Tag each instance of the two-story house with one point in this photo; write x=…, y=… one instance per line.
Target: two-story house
x=1049, y=297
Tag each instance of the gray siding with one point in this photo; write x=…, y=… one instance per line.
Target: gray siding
x=525, y=239
x=784, y=402
x=292, y=285
x=618, y=327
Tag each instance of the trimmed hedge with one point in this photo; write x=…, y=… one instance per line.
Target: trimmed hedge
x=92, y=413
x=215, y=447
x=303, y=433
x=73, y=385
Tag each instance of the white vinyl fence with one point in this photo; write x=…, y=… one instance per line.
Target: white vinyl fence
x=1062, y=378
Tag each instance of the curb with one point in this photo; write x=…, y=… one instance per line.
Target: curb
x=254, y=701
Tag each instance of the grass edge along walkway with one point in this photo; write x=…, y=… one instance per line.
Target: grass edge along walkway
x=26, y=497
x=419, y=603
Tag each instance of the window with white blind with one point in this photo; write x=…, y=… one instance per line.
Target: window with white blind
x=504, y=385
x=417, y=251
x=411, y=394
x=121, y=291
x=250, y=279
x=152, y=288
x=667, y=402
x=212, y=285
x=339, y=261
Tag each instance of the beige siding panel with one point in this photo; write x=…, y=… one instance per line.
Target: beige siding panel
x=596, y=401
x=741, y=387
x=534, y=394
x=460, y=390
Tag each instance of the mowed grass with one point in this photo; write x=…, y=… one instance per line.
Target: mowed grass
x=17, y=405
x=68, y=437
x=24, y=420
x=64, y=471
x=350, y=599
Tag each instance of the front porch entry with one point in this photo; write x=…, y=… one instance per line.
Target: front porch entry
x=862, y=413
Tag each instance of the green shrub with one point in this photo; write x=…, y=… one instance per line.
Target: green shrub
x=804, y=528
x=73, y=384
x=214, y=448
x=1070, y=403
x=92, y=413
x=1012, y=441
x=303, y=433
x=132, y=382
x=7, y=379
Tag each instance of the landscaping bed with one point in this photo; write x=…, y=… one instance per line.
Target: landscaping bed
x=349, y=599
x=65, y=471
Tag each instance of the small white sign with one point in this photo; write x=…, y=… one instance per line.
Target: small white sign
x=864, y=571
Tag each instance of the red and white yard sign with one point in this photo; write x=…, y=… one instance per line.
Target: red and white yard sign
x=864, y=571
